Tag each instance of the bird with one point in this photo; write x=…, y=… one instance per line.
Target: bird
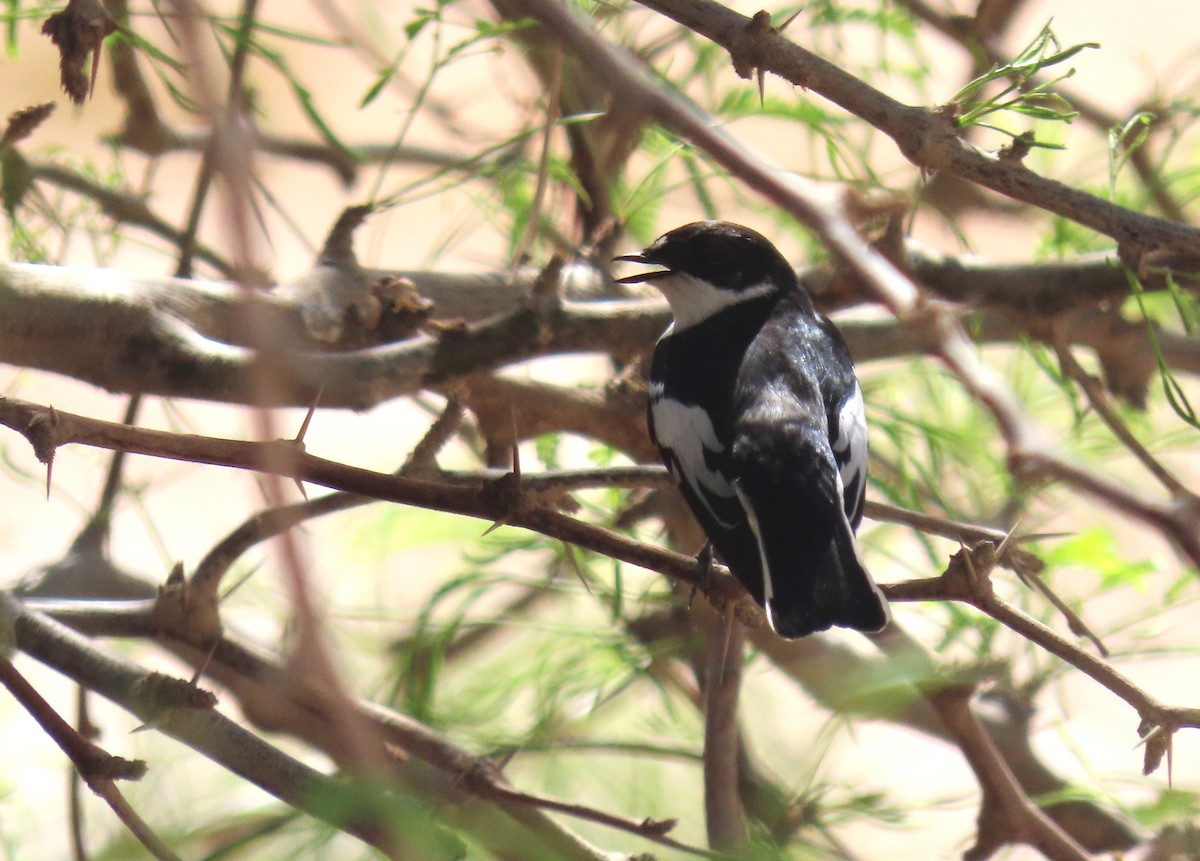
x=759, y=418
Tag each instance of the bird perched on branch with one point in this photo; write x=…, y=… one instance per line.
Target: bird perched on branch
x=759, y=418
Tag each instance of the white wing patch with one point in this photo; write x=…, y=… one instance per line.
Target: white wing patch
x=752, y=520
x=688, y=432
x=850, y=446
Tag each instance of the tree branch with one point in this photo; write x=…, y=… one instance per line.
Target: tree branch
x=927, y=138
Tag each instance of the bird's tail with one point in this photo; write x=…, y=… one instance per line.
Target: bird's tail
x=830, y=587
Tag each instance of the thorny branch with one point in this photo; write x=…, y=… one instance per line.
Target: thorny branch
x=187, y=714
x=926, y=137
x=98, y=769
x=469, y=495
x=273, y=697
x=937, y=328
x=921, y=135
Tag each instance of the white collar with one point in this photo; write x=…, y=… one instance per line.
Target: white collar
x=694, y=300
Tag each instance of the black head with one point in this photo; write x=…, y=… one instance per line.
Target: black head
x=726, y=255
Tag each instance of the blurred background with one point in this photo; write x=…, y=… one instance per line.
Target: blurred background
x=446, y=111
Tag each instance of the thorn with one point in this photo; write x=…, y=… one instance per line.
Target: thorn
x=969, y=565
x=303, y=432
x=505, y=758
x=729, y=623
x=503, y=521
x=504, y=494
x=300, y=434
x=49, y=448
x=516, y=449
x=1008, y=536
x=195, y=679
x=569, y=551
x=1171, y=762
x=790, y=19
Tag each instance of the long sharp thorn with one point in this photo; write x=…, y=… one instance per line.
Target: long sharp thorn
x=729, y=623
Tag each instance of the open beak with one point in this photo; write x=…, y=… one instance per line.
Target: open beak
x=639, y=277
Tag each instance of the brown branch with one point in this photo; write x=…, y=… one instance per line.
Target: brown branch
x=75, y=810
x=967, y=579
x=91, y=761
x=136, y=825
x=99, y=769
x=206, y=580
x=846, y=682
x=1006, y=813
x=1096, y=396
x=967, y=33
x=938, y=328
x=927, y=138
x=722, y=658
x=487, y=783
x=819, y=664
x=271, y=696
x=185, y=339
x=185, y=713
x=47, y=429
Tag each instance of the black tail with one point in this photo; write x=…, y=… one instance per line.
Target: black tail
x=829, y=587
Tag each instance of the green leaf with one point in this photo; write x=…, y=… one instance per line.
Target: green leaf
x=1095, y=550
x=1171, y=806
x=384, y=78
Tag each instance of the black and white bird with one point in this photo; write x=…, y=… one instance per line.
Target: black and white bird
x=759, y=418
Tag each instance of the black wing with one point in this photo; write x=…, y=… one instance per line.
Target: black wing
x=796, y=390
x=787, y=484
x=698, y=459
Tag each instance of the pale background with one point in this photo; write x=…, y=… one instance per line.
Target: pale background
x=1141, y=43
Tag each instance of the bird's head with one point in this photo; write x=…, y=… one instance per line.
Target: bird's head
x=707, y=266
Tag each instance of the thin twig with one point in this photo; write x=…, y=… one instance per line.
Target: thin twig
x=158, y=701
x=928, y=138
x=99, y=769
x=1006, y=815
x=1099, y=401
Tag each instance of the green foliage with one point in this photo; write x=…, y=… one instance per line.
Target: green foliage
x=569, y=667
x=1019, y=93
x=1170, y=806
x=1173, y=390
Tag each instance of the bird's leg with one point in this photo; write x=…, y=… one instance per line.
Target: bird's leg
x=704, y=580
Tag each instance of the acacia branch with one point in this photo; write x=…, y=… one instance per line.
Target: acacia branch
x=183, y=338
x=938, y=328
x=927, y=138
x=129, y=623
x=1006, y=814
x=98, y=769
x=176, y=710
x=274, y=698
